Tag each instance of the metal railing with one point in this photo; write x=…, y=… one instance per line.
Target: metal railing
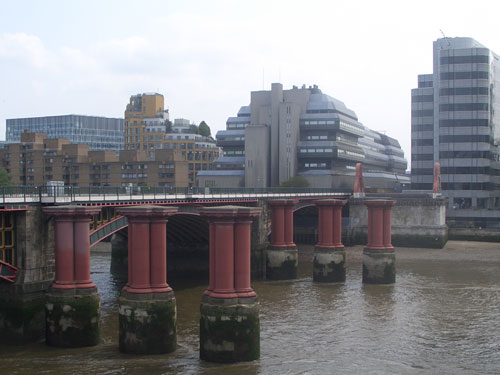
x=70, y=194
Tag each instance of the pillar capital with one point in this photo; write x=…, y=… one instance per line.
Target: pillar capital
x=70, y=211
x=139, y=212
x=229, y=213
x=331, y=202
x=282, y=202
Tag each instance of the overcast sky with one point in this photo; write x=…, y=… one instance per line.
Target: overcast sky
x=88, y=57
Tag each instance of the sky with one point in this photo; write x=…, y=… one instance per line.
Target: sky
x=88, y=57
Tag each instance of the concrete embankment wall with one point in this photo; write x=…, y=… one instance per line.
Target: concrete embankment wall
x=474, y=234
x=417, y=221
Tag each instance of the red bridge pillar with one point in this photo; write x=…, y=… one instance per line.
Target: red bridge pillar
x=329, y=253
x=147, y=301
x=379, y=257
x=229, y=307
x=72, y=285
x=282, y=254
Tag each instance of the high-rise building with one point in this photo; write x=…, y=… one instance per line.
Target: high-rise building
x=148, y=128
x=302, y=132
x=455, y=121
x=99, y=133
x=145, y=122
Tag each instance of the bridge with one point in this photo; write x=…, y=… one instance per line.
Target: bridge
x=46, y=234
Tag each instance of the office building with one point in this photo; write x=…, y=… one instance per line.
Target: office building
x=99, y=133
x=455, y=121
x=37, y=160
x=302, y=132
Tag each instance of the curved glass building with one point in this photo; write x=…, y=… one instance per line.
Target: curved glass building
x=302, y=132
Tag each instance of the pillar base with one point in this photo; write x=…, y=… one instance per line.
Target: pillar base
x=229, y=329
x=329, y=264
x=281, y=263
x=72, y=317
x=22, y=318
x=147, y=323
x=379, y=266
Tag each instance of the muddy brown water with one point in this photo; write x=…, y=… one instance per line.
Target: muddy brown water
x=441, y=317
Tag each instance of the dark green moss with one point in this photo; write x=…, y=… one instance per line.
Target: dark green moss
x=479, y=237
x=24, y=320
x=229, y=333
x=388, y=276
x=432, y=242
x=335, y=272
x=155, y=334
x=79, y=326
x=287, y=270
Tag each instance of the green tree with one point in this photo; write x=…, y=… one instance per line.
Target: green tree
x=4, y=177
x=295, y=182
x=193, y=129
x=204, y=129
x=168, y=126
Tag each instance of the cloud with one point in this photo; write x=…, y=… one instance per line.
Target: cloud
x=24, y=49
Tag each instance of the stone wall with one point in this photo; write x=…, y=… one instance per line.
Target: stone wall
x=417, y=221
x=22, y=304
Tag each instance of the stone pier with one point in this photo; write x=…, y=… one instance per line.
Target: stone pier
x=229, y=322
x=282, y=253
x=72, y=303
x=329, y=253
x=379, y=257
x=147, y=308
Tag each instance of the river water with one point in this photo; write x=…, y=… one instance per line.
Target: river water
x=441, y=317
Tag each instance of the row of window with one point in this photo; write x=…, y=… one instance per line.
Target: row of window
x=471, y=59
x=422, y=98
x=463, y=107
x=422, y=112
x=464, y=91
x=464, y=75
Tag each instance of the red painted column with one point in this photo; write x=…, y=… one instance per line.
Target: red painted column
x=330, y=222
x=229, y=251
x=72, y=245
x=81, y=228
x=64, y=253
x=337, y=223
x=242, y=247
x=387, y=224
x=277, y=225
x=147, y=248
x=379, y=224
x=289, y=222
x=282, y=222
x=158, y=253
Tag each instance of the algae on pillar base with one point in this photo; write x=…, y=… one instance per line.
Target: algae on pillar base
x=379, y=266
x=72, y=317
x=147, y=323
x=281, y=263
x=329, y=264
x=229, y=329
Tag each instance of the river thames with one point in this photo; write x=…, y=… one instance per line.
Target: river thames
x=441, y=317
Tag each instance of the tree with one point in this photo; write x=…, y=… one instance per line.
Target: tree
x=295, y=182
x=4, y=177
x=193, y=129
x=168, y=126
x=204, y=129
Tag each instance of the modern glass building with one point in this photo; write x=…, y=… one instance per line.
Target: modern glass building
x=302, y=132
x=100, y=133
x=455, y=121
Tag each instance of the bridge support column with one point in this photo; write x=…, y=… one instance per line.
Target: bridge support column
x=229, y=322
x=147, y=309
x=329, y=253
x=379, y=257
x=282, y=253
x=72, y=303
